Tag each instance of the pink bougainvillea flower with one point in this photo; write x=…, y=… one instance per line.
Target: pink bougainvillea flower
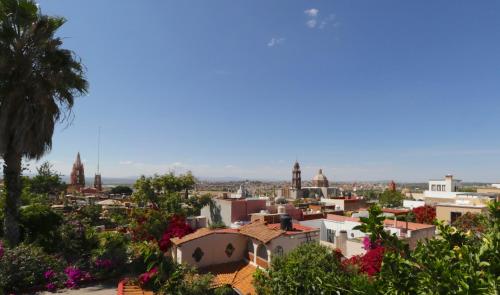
x=49, y=274
x=147, y=276
x=51, y=287
x=70, y=284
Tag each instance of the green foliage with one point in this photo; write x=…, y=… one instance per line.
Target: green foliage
x=114, y=247
x=168, y=192
x=477, y=223
x=374, y=226
x=46, y=181
x=40, y=225
x=456, y=263
x=185, y=280
x=308, y=269
x=77, y=241
x=23, y=267
x=391, y=199
x=89, y=215
x=121, y=190
x=39, y=81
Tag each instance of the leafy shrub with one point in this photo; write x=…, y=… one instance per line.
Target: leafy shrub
x=110, y=257
x=77, y=241
x=40, y=225
x=23, y=268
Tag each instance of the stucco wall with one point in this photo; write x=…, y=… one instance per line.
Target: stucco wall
x=420, y=235
x=213, y=247
x=444, y=212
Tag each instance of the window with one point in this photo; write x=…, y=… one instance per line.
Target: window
x=433, y=187
x=330, y=235
x=229, y=250
x=278, y=251
x=262, y=252
x=438, y=188
x=454, y=216
x=198, y=254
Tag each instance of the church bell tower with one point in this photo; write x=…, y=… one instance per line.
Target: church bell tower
x=296, y=178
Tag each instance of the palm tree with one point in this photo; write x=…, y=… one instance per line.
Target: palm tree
x=39, y=81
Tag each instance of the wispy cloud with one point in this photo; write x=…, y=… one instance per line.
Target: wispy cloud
x=314, y=20
x=331, y=19
x=311, y=23
x=275, y=41
x=127, y=162
x=312, y=12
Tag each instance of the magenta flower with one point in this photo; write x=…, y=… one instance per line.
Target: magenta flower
x=70, y=284
x=367, y=244
x=51, y=287
x=49, y=274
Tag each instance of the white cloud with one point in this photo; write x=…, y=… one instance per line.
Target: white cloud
x=311, y=23
x=127, y=162
x=275, y=42
x=313, y=12
x=330, y=19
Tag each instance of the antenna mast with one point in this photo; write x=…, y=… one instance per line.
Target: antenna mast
x=98, y=147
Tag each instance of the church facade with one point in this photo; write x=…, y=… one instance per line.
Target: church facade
x=320, y=186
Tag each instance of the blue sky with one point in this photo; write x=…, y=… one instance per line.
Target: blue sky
x=366, y=90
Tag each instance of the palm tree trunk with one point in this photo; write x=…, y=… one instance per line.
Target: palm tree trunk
x=12, y=178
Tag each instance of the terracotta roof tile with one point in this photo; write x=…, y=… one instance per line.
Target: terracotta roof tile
x=260, y=231
x=239, y=275
x=201, y=233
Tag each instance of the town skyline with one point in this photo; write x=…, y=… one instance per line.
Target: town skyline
x=371, y=100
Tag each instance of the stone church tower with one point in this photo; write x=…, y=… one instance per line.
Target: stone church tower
x=77, y=173
x=296, y=178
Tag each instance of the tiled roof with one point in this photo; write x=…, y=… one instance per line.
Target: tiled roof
x=297, y=228
x=341, y=218
x=260, y=231
x=403, y=224
x=201, y=233
x=239, y=275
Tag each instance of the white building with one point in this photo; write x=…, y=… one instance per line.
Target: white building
x=446, y=191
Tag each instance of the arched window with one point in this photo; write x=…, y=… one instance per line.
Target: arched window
x=262, y=252
x=278, y=251
x=250, y=246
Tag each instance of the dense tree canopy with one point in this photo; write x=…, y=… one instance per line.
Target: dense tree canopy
x=121, y=190
x=391, y=199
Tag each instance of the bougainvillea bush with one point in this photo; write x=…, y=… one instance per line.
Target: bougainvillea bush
x=24, y=267
x=425, y=214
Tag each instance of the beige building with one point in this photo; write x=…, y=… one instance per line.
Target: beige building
x=256, y=243
x=449, y=212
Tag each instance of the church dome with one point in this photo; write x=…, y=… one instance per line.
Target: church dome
x=320, y=180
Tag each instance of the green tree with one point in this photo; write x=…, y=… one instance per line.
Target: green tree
x=391, y=199
x=167, y=191
x=122, y=190
x=309, y=269
x=46, y=181
x=40, y=225
x=39, y=81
